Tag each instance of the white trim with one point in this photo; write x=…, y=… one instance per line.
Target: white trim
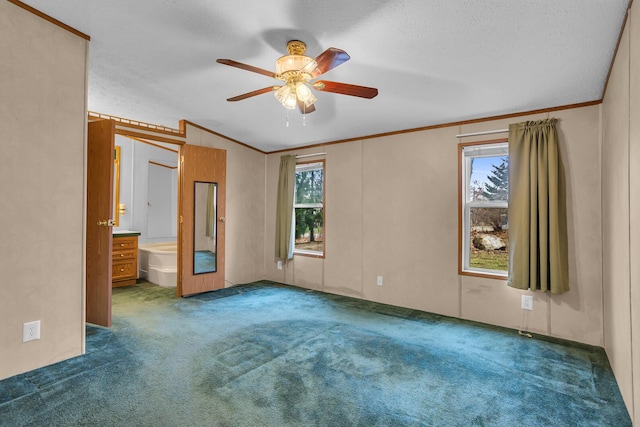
x=469, y=152
x=488, y=132
x=302, y=156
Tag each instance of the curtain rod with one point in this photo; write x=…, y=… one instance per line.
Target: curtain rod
x=302, y=156
x=481, y=133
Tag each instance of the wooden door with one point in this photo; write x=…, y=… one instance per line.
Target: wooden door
x=200, y=165
x=100, y=141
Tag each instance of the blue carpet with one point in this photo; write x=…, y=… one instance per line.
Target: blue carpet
x=265, y=354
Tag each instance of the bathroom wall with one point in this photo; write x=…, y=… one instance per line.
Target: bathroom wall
x=134, y=188
x=42, y=181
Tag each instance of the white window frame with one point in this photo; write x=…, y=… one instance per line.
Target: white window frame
x=468, y=151
x=309, y=166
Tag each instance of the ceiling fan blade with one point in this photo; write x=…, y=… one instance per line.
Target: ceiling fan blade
x=345, y=89
x=306, y=110
x=242, y=66
x=326, y=61
x=254, y=93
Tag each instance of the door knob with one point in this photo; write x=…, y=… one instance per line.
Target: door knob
x=222, y=219
x=107, y=223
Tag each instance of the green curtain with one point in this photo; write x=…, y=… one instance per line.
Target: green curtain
x=284, y=206
x=538, y=255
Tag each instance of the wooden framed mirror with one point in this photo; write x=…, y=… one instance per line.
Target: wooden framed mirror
x=205, y=233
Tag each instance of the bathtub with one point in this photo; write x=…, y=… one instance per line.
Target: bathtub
x=158, y=263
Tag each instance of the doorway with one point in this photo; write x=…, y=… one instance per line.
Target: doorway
x=148, y=189
x=196, y=163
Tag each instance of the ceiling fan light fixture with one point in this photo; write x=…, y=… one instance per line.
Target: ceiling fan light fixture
x=289, y=63
x=296, y=71
x=287, y=97
x=295, y=60
x=304, y=94
x=291, y=102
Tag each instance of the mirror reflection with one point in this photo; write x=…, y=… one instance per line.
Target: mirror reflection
x=115, y=211
x=205, y=231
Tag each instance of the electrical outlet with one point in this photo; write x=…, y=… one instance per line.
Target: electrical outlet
x=379, y=281
x=527, y=302
x=31, y=331
x=279, y=265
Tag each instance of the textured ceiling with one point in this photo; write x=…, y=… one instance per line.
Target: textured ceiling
x=434, y=62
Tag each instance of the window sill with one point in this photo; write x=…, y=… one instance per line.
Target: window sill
x=488, y=275
x=310, y=254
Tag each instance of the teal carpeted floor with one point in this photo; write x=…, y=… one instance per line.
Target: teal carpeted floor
x=270, y=355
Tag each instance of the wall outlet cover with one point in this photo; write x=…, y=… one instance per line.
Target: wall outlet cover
x=527, y=302
x=31, y=331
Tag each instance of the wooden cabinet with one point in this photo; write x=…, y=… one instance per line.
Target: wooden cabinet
x=124, y=261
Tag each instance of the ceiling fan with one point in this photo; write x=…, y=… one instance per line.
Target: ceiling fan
x=297, y=71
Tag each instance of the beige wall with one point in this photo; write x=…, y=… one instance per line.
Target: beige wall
x=634, y=211
x=392, y=210
x=621, y=215
x=43, y=110
x=244, y=238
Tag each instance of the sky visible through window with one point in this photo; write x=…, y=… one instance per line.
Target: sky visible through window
x=482, y=167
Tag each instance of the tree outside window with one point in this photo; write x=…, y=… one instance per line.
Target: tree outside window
x=484, y=209
x=309, y=209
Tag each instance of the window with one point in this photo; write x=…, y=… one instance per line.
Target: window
x=484, y=194
x=308, y=206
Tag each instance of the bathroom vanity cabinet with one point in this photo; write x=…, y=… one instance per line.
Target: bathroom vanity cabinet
x=124, y=259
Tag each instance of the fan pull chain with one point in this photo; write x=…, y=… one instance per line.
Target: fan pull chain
x=304, y=120
x=287, y=120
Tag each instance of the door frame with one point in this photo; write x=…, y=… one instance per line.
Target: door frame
x=139, y=130
x=134, y=130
